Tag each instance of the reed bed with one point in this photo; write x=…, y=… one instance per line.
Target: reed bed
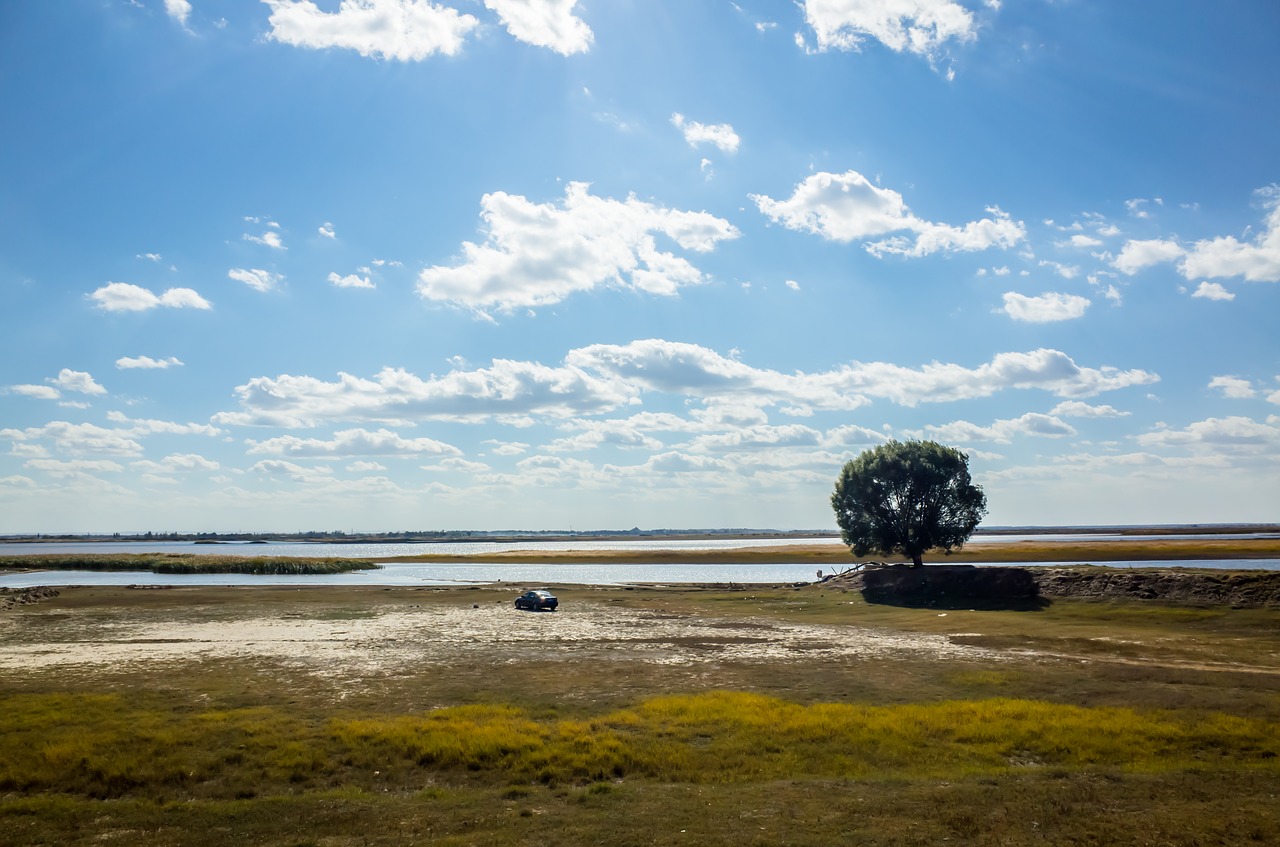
x=184, y=563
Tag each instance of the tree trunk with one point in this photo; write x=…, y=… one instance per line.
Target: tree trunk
x=916, y=560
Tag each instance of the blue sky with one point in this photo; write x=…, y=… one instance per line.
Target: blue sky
x=399, y=264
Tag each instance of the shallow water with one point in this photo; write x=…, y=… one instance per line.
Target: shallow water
x=521, y=574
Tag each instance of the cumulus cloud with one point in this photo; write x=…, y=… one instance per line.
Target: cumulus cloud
x=1044, y=308
x=143, y=426
x=147, y=363
x=506, y=389
x=1234, y=387
x=1078, y=409
x=404, y=30
x=79, y=381
x=326, y=229
x=79, y=439
x=1212, y=291
x=126, y=297
x=179, y=10
x=39, y=392
x=75, y=468
x=601, y=378
x=1003, y=431
x=1224, y=257
x=351, y=281
x=544, y=23
x=1256, y=261
x=680, y=368
x=1137, y=255
x=270, y=238
x=539, y=254
x=255, y=278
x=1234, y=433
x=280, y=469
x=848, y=207
x=921, y=27
x=352, y=442
x=176, y=463
x=720, y=135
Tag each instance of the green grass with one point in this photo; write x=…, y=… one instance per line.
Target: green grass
x=184, y=563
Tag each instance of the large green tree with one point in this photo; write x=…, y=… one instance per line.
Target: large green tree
x=907, y=497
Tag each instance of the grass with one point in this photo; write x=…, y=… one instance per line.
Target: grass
x=184, y=563
x=1117, y=723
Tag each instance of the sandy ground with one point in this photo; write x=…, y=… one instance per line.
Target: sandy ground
x=394, y=637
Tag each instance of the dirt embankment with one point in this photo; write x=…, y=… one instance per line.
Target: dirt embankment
x=10, y=597
x=966, y=585
x=1233, y=588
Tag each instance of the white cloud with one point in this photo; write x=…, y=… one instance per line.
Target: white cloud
x=1003, y=431
x=365, y=466
x=921, y=27
x=601, y=378
x=270, y=239
x=688, y=369
x=544, y=23
x=539, y=254
x=508, y=448
x=793, y=285
x=78, y=439
x=1082, y=241
x=146, y=362
x=351, y=281
x=458, y=466
x=255, y=278
x=326, y=229
x=280, y=469
x=507, y=389
x=39, y=392
x=142, y=426
x=1255, y=261
x=151, y=257
x=352, y=442
x=848, y=207
x=721, y=135
x=1045, y=308
x=1077, y=409
x=75, y=468
x=79, y=381
x=405, y=30
x=1216, y=258
x=179, y=10
x=1064, y=271
x=1233, y=387
x=1232, y=434
x=1212, y=291
x=126, y=297
x=177, y=463
x=1137, y=255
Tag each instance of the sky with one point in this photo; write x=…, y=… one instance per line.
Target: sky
x=383, y=265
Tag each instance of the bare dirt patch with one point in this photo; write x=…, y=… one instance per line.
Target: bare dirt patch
x=392, y=637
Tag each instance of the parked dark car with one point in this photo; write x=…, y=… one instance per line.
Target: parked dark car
x=536, y=600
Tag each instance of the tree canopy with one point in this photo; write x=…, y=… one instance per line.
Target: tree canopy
x=907, y=497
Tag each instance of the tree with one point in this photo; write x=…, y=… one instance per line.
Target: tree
x=907, y=497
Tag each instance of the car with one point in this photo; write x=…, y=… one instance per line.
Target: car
x=537, y=600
